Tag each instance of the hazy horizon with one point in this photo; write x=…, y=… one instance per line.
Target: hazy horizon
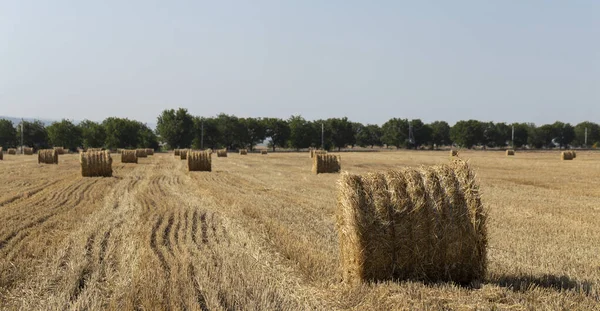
x=537, y=61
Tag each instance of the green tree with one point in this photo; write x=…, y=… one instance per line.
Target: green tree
x=176, y=128
x=211, y=138
x=93, y=134
x=231, y=130
x=146, y=137
x=255, y=131
x=300, y=132
x=564, y=133
x=34, y=134
x=395, y=132
x=593, y=134
x=64, y=134
x=521, y=134
x=440, y=133
x=342, y=132
x=8, y=134
x=370, y=135
x=467, y=133
x=121, y=133
x=542, y=136
x=422, y=133
x=277, y=131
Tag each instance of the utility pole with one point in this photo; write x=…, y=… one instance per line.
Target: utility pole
x=513, y=137
x=322, y=136
x=202, y=135
x=585, y=137
x=22, y=128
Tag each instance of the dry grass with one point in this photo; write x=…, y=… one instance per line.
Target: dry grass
x=48, y=156
x=326, y=163
x=96, y=164
x=199, y=161
x=261, y=235
x=129, y=156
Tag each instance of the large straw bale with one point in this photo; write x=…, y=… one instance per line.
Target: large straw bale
x=47, y=156
x=96, y=164
x=243, y=151
x=27, y=151
x=424, y=223
x=222, y=153
x=11, y=151
x=510, y=152
x=199, y=161
x=129, y=156
x=326, y=163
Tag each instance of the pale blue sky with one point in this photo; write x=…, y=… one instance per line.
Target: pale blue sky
x=536, y=61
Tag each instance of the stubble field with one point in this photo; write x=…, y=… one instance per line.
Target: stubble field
x=258, y=233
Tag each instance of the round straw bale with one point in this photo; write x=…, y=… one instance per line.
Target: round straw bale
x=566, y=155
x=243, y=151
x=149, y=151
x=326, y=163
x=27, y=151
x=11, y=151
x=141, y=153
x=176, y=152
x=60, y=150
x=183, y=154
x=96, y=164
x=199, y=161
x=47, y=156
x=264, y=152
x=423, y=223
x=454, y=153
x=1, y=154
x=510, y=152
x=222, y=153
x=129, y=156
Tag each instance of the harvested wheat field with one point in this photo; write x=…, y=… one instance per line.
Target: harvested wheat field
x=260, y=233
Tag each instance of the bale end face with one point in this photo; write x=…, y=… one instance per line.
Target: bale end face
x=453, y=153
x=11, y=151
x=200, y=161
x=27, y=151
x=326, y=163
x=222, y=153
x=422, y=224
x=183, y=154
x=566, y=155
x=176, y=152
x=510, y=152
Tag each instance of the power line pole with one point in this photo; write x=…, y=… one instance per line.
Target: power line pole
x=22, y=129
x=513, y=137
x=585, y=137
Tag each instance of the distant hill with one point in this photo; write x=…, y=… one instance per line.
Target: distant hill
x=47, y=122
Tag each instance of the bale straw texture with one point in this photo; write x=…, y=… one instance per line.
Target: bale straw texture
x=96, y=164
x=28, y=151
x=453, y=153
x=48, y=156
x=183, y=154
x=424, y=223
x=129, y=156
x=243, y=151
x=11, y=151
x=222, y=153
x=176, y=152
x=313, y=152
x=94, y=149
x=566, y=155
x=60, y=150
x=199, y=161
x=326, y=163
x=510, y=152
x=150, y=151
x=141, y=153
x=1, y=154
x=264, y=152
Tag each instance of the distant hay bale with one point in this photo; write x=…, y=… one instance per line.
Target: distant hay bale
x=176, y=152
x=510, y=152
x=222, y=153
x=11, y=151
x=243, y=151
x=566, y=155
x=326, y=163
x=129, y=156
x=199, y=161
x=264, y=152
x=141, y=153
x=94, y=149
x=150, y=151
x=1, y=154
x=60, y=150
x=312, y=152
x=574, y=154
x=183, y=154
x=454, y=153
x=47, y=156
x=424, y=223
x=28, y=151
x=95, y=164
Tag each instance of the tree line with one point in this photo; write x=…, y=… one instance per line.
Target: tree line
x=179, y=129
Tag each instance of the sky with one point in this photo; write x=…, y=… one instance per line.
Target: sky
x=502, y=61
